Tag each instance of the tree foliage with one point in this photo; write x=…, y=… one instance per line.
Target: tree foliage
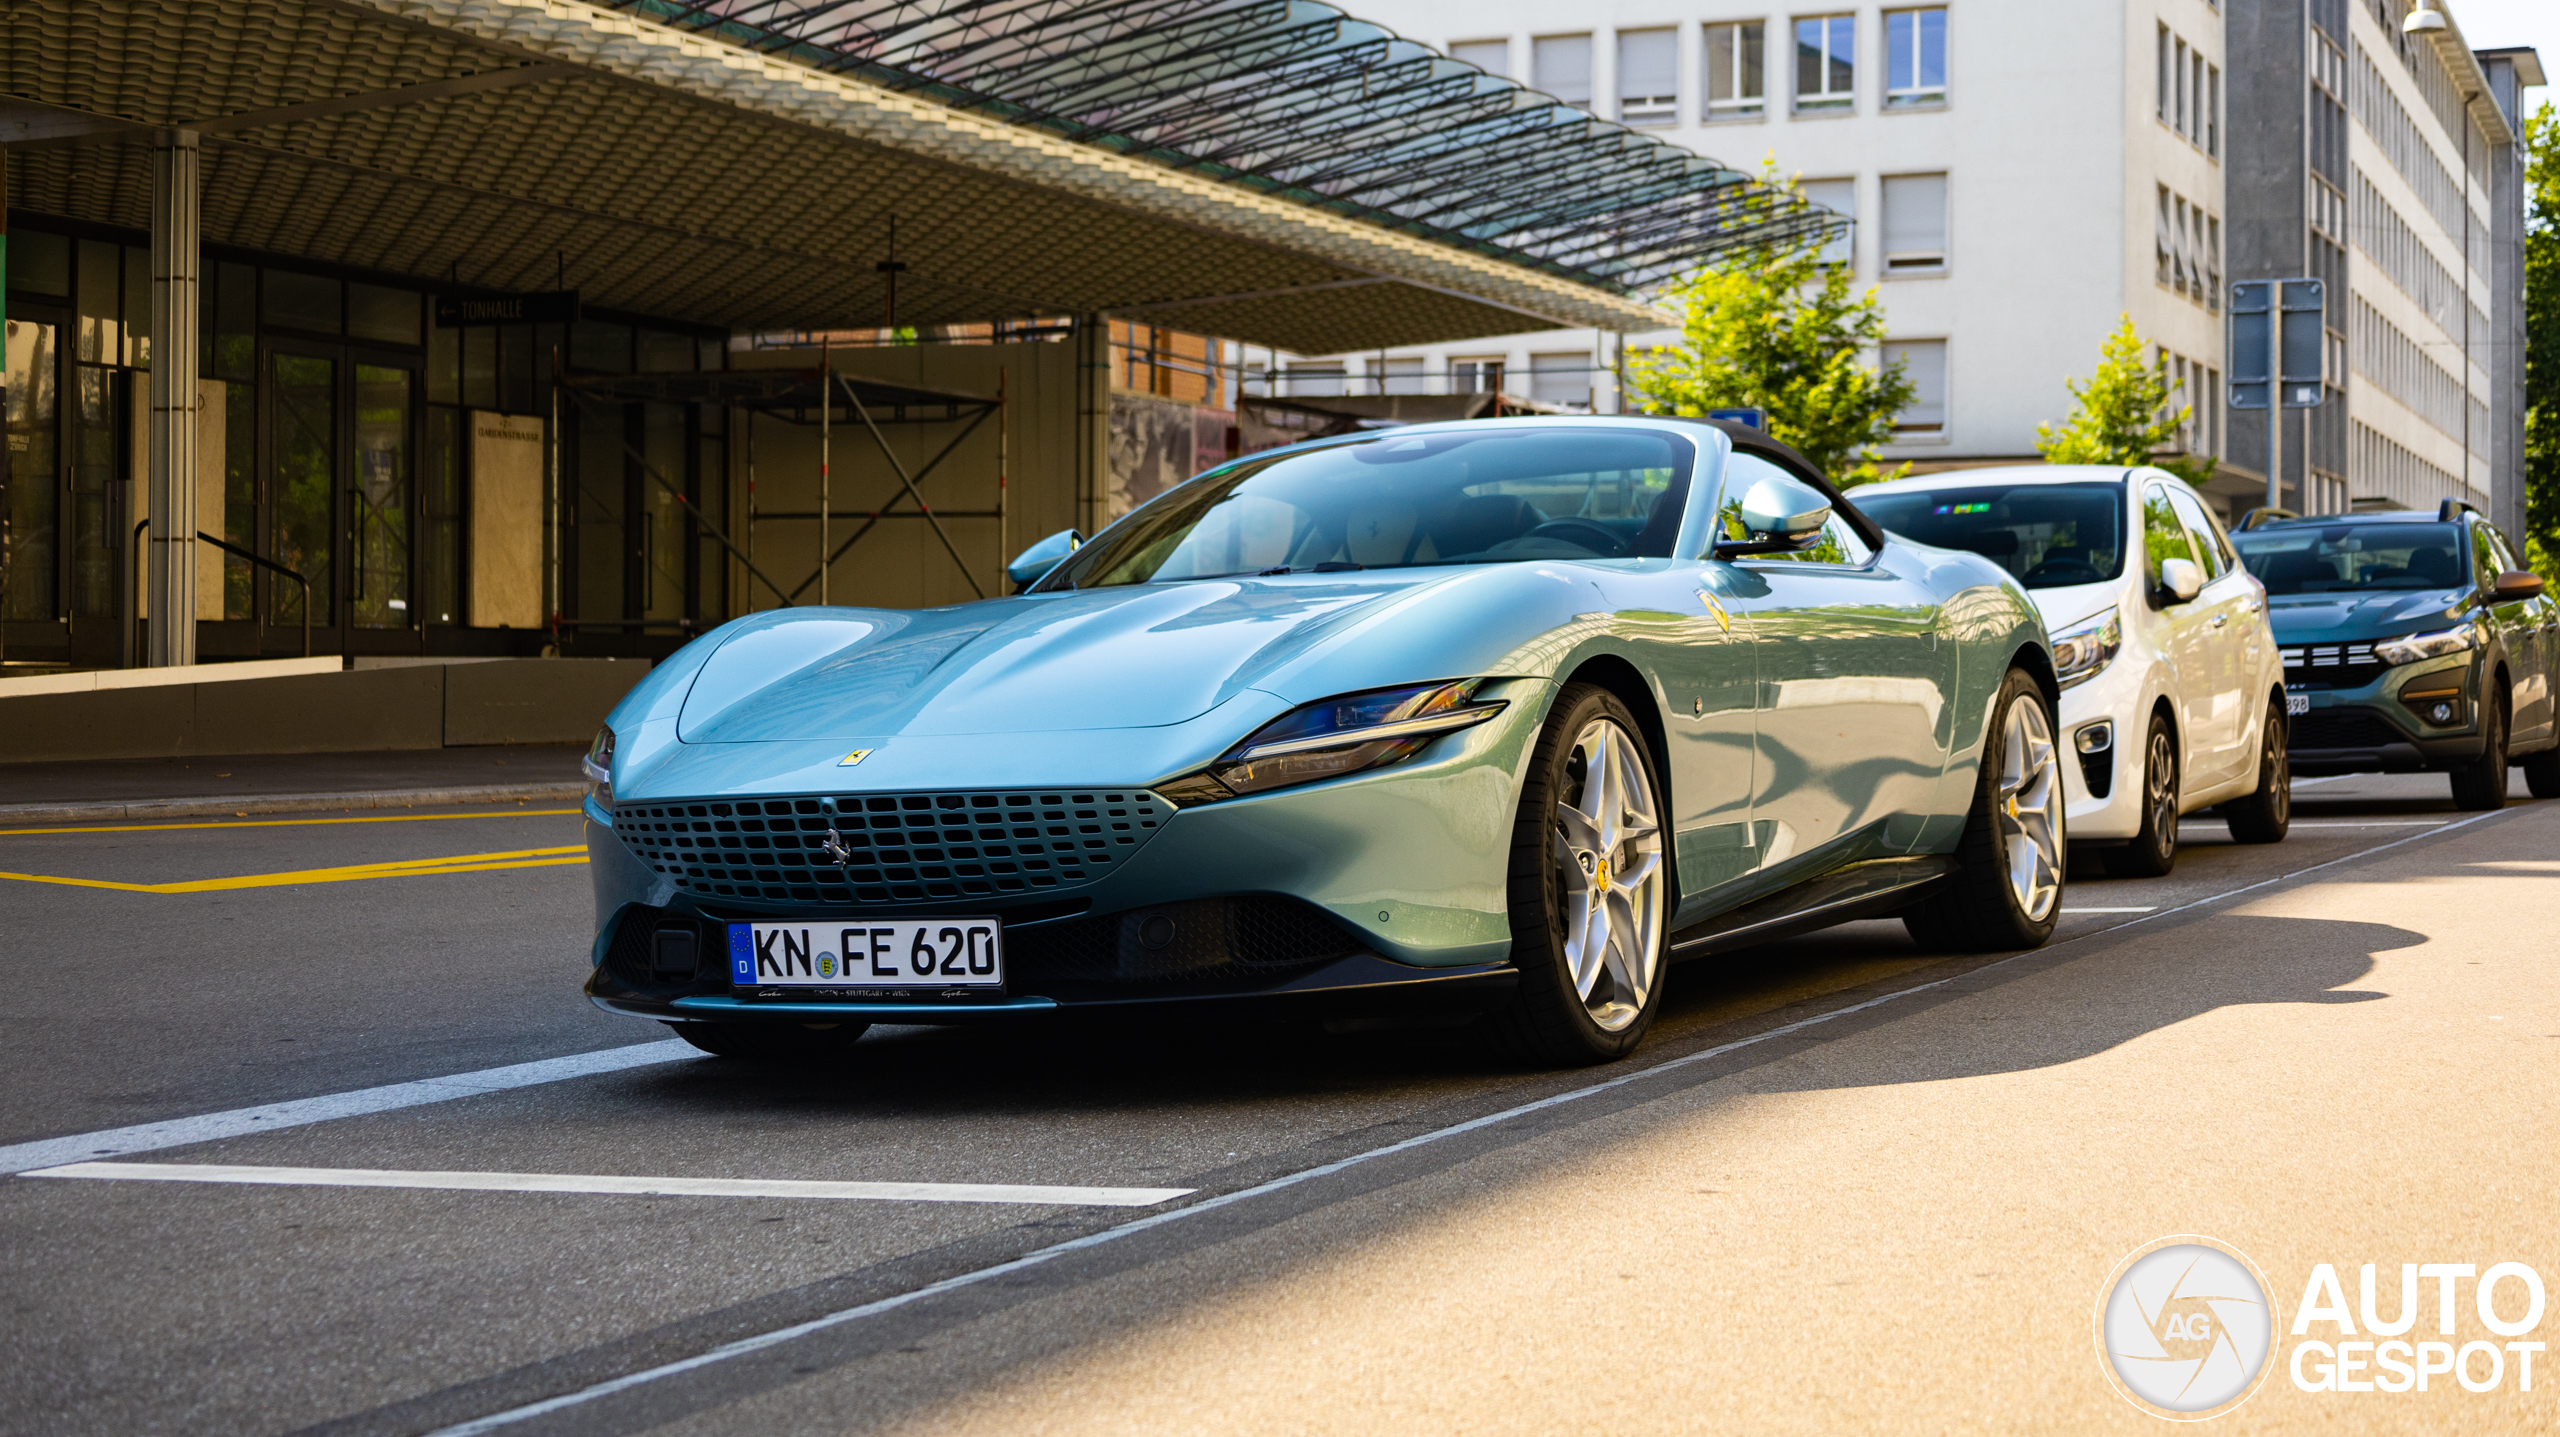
x=1773, y=328
x=2542, y=340
x=2123, y=415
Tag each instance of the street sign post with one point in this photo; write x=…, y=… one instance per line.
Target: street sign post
x=2279, y=355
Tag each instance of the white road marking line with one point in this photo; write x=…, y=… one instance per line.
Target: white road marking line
x=2153, y=909
x=268, y=1117
x=2377, y=823
x=746, y=1345
x=575, y=1183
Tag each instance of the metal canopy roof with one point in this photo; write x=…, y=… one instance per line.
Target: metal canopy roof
x=1271, y=171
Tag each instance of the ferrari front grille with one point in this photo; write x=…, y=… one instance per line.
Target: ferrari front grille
x=883, y=848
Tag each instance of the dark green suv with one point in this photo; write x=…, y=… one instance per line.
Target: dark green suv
x=2412, y=642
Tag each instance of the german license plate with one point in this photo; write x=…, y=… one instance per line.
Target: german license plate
x=868, y=953
x=2297, y=704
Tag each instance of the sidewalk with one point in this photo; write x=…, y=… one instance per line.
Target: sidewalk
x=90, y=790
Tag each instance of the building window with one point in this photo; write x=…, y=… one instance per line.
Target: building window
x=1736, y=85
x=2162, y=85
x=1924, y=363
x=1649, y=77
x=1491, y=56
x=2164, y=242
x=1400, y=376
x=2212, y=263
x=2183, y=254
x=2213, y=111
x=1561, y=66
x=1561, y=379
x=2178, y=89
x=1826, y=62
x=1915, y=222
x=1841, y=198
x=1315, y=381
x=1475, y=376
x=1915, y=58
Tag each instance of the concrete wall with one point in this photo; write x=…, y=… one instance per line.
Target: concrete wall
x=434, y=704
x=900, y=563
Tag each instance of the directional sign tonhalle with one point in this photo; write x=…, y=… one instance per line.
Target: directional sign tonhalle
x=559, y=306
x=2277, y=343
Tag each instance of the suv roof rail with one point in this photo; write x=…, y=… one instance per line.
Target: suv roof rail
x=2267, y=515
x=2452, y=509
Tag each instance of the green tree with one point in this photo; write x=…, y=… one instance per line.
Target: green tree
x=2123, y=416
x=1772, y=327
x=2542, y=341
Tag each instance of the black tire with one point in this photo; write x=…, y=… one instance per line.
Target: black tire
x=2264, y=816
x=770, y=1042
x=1979, y=909
x=2480, y=786
x=1550, y=1020
x=2154, y=851
x=2542, y=773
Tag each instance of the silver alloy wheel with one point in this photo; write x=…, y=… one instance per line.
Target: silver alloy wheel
x=2160, y=787
x=2027, y=810
x=1608, y=859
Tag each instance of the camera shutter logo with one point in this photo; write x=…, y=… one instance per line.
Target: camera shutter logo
x=2185, y=1329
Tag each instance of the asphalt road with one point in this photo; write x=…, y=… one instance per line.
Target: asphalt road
x=1845, y=1184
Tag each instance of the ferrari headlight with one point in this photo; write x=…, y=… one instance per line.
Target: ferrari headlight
x=2086, y=647
x=2409, y=648
x=598, y=768
x=1335, y=737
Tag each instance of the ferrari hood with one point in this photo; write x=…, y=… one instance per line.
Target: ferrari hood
x=1140, y=656
x=2342, y=618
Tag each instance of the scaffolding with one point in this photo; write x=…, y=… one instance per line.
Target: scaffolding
x=817, y=398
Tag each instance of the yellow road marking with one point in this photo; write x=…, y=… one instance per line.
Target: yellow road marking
x=299, y=822
x=398, y=868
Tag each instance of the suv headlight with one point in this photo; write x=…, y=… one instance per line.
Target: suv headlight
x=2086, y=647
x=1335, y=737
x=598, y=768
x=2409, y=648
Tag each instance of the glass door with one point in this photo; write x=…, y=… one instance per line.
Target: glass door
x=35, y=472
x=378, y=499
x=302, y=429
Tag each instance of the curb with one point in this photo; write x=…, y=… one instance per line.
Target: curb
x=287, y=802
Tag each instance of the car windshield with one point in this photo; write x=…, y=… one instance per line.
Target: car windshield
x=2352, y=558
x=2047, y=535
x=1394, y=500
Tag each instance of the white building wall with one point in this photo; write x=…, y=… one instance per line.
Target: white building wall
x=2053, y=157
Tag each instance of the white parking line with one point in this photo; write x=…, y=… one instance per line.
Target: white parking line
x=2377, y=823
x=575, y=1183
x=268, y=1117
x=2153, y=909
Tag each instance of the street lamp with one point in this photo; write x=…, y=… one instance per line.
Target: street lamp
x=2425, y=20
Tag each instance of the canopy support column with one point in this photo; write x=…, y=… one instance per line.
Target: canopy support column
x=176, y=230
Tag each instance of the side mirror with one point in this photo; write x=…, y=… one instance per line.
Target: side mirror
x=2181, y=578
x=2515, y=585
x=1778, y=514
x=1031, y=564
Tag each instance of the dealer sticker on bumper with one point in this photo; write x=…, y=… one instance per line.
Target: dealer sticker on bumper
x=868, y=953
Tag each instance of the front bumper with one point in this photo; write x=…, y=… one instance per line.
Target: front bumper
x=2367, y=729
x=1259, y=953
x=2102, y=790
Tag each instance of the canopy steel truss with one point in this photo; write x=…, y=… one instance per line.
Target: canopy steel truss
x=1296, y=99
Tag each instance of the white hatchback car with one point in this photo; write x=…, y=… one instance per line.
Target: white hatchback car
x=2173, y=692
